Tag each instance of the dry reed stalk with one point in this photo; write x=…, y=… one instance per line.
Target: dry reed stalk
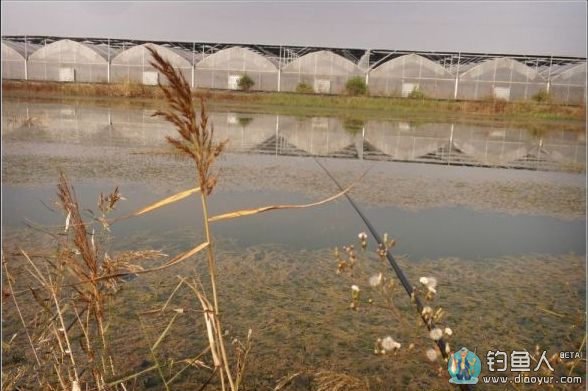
x=335, y=381
x=196, y=140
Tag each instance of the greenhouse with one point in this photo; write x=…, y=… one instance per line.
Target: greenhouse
x=491, y=145
x=405, y=141
x=224, y=69
x=133, y=65
x=69, y=61
x=568, y=84
x=243, y=131
x=323, y=71
x=500, y=78
x=14, y=54
x=318, y=136
x=405, y=74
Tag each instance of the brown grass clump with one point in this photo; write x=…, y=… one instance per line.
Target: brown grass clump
x=74, y=287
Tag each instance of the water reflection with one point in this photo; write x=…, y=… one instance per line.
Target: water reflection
x=439, y=143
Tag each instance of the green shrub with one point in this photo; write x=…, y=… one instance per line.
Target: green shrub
x=244, y=121
x=541, y=97
x=417, y=94
x=245, y=83
x=304, y=88
x=353, y=125
x=356, y=86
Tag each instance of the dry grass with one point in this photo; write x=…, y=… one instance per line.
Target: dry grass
x=74, y=286
x=73, y=290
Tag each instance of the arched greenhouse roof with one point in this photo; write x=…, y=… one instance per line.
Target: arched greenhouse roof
x=66, y=50
x=393, y=66
x=322, y=61
x=490, y=66
x=17, y=50
x=237, y=58
x=140, y=55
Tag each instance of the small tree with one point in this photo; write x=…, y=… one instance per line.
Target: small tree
x=417, y=94
x=541, y=97
x=356, y=86
x=303, y=88
x=245, y=83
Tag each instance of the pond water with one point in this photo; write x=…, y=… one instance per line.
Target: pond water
x=496, y=214
x=430, y=233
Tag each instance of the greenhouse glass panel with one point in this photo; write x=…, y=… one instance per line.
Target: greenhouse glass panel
x=55, y=62
x=14, y=56
x=316, y=69
x=133, y=65
x=568, y=85
x=224, y=68
x=401, y=75
x=486, y=79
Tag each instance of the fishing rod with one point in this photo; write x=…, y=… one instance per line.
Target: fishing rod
x=408, y=287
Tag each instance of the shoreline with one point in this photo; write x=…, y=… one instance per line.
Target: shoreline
x=358, y=107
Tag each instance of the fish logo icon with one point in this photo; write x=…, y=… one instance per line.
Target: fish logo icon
x=464, y=367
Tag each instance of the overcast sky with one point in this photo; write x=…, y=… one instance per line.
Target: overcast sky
x=543, y=28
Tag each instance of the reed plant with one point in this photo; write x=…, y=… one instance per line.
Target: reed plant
x=68, y=337
x=75, y=285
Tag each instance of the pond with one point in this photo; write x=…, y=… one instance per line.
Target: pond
x=496, y=214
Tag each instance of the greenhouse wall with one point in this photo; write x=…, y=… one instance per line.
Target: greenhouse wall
x=133, y=65
x=403, y=75
x=324, y=71
x=14, y=56
x=500, y=78
x=69, y=61
x=569, y=86
x=224, y=68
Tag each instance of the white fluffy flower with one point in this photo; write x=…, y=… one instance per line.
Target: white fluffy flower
x=375, y=280
x=436, y=334
x=362, y=236
x=427, y=311
x=430, y=283
x=389, y=344
x=448, y=331
x=431, y=354
x=355, y=288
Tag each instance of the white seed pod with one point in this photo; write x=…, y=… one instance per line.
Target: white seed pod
x=375, y=280
x=389, y=344
x=431, y=354
x=436, y=334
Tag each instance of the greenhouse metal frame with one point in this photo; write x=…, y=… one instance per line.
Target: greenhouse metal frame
x=551, y=74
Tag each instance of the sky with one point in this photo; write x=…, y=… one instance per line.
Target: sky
x=555, y=28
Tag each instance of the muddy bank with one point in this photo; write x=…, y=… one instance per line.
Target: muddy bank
x=298, y=309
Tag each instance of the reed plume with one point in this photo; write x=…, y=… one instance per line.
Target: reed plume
x=195, y=136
